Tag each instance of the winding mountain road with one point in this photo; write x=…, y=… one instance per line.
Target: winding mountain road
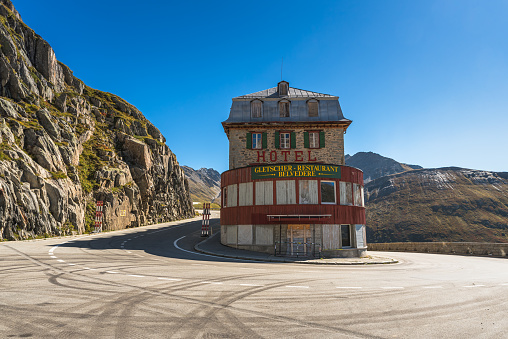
x=150, y=283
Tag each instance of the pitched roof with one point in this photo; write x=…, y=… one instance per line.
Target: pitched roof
x=292, y=93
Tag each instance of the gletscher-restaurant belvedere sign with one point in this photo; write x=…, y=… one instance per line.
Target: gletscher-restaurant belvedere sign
x=295, y=170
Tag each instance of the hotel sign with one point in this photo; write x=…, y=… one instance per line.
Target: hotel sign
x=287, y=171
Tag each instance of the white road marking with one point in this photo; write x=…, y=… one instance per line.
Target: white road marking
x=392, y=288
x=172, y=279
x=71, y=264
x=129, y=252
x=297, y=286
x=348, y=287
x=181, y=249
x=112, y=272
x=54, y=248
x=474, y=286
x=135, y=275
x=53, y=257
x=432, y=286
x=210, y=282
x=504, y=284
x=250, y=285
x=60, y=260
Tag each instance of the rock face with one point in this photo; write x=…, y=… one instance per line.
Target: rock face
x=204, y=184
x=443, y=204
x=376, y=166
x=64, y=145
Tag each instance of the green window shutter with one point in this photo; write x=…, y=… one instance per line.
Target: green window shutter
x=277, y=139
x=322, y=139
x=264, y=142
x=249, y=140
x=293, y=140
x=306, y=143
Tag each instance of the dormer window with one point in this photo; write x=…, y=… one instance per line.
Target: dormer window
x=256, y=109
x=283, y=88
x=313, y=106
x=284, y=109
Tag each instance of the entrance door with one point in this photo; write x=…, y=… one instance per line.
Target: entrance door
x=299, y=240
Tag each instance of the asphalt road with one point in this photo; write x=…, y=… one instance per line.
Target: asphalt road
x=149, y=283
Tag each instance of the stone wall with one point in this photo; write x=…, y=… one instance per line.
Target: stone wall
x=240, y=156
x=471, y=248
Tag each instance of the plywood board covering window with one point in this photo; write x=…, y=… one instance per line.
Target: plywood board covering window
x=264, y=193
x=313, y=108
x=286, y=193
x=245, y=194
x=256, y=109
x=232, y=195
x=308, y=192
x=346, y=193
x=358, y=194
x=284, y=109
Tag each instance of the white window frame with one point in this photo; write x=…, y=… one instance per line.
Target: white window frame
x=287, y=140
x=257, y=140
x=314, y=140
x=334, y=192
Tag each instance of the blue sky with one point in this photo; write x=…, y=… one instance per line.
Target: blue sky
x=425, y=82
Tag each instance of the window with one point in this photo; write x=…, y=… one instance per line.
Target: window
x=358, y=189
x=313, y=139
x=232, y=195
x=360, y=236
x=286, y=193
x=245, y=194
x=285, y=140
x=283, y=88
x=225, y=197
x=328, y=192
x=346, y=193
x=284, y=109
x=313, y=108
x=257, y=141
x=256, y=108
x=264, y=193
x=308, y=192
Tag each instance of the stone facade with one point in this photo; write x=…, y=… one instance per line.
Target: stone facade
x=240, y=156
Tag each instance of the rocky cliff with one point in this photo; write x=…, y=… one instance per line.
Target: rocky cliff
x=443, y=204
x=64, y=145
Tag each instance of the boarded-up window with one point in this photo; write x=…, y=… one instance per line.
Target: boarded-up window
x=225, y=197
x=286, y=193
x=346, y=193
x=256, y=108
x=328, y=192
x=331, y=237
x=283, y=88
x=245, y=194
x=232, y=195
x=284, y=109
x=358, y=190
x=264, y=193
x=360, y=236
x=313, y=108
x=308, y=192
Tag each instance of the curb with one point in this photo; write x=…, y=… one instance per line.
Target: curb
x=198, y=248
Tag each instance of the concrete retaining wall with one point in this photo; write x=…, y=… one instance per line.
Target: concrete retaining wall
x=471, y=248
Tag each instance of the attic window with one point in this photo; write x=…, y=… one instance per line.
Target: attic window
x=256, y=109
x=313, y=108
x=283, y=88
x=284, y=109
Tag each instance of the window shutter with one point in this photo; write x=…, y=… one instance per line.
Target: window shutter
x=249, y=140
x=322, y=139
x=293, y=140
x=264, y=142
x=277, y=139
x=306, y=143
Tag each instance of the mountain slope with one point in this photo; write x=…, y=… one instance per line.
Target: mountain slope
x=204, y=184
x=65, y=145
x=376, y=166
x=444, y=204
